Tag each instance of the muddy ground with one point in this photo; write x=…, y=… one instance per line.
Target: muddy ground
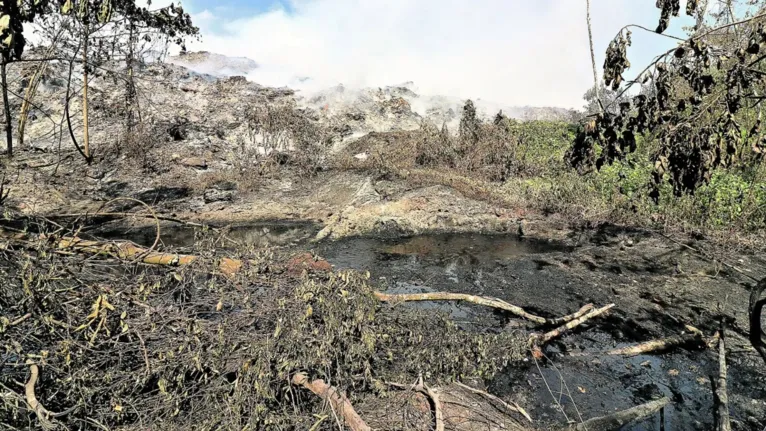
x=658, y=288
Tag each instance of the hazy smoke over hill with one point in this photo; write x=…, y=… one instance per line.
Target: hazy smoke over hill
x=511, y=52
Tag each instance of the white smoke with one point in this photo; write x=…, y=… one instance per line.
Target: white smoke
x=513, y=52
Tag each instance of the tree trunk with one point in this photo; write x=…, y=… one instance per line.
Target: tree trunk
x=592, y=55
x=86, y=139
x=131, y=93
x=7, y=108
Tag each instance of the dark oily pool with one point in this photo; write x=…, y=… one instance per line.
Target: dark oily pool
x=586, y=384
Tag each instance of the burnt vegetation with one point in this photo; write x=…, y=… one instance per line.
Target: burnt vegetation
x=703, y=107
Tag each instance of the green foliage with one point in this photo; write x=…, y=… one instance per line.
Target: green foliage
x=700, y=109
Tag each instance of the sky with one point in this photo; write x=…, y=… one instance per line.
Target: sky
x=515, y=52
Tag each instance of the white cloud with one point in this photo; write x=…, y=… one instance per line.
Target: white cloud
x=519, y=52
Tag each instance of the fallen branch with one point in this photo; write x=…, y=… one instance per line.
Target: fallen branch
x=661, y=345
x=337, y=400
x=548, y=336
x=722, y=397
x=433, y=394
x=755, y=310
x=515, y=409
x=480, y=300
x=128, y=250
x=43, y=414
x=438, y=413
x=618, y=420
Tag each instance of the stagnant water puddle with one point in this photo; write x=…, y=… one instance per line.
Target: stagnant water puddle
x=575, y=376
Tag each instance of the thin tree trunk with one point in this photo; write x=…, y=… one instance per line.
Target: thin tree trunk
x=7, y=107
x=85, y=138
x=131, y=93
x=592, y=54
x=34, y=83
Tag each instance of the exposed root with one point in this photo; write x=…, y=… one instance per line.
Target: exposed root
x=620, y=419
x=480, y=300
x=515, y=408
x=661, y=345
x=337, y=400
x=722, y=397
x=539, y=339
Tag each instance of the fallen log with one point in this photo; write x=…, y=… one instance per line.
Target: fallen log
x=335, y=398
x=660, y=345
x=618, y=420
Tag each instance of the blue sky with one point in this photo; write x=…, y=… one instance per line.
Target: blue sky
x=233, y=9
x=520, y=52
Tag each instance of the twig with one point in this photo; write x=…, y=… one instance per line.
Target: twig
x=515, y=409
x=724, y=424
x=592, y=55
x=548, y=336
x=318, y=423
x=127, y=214
x=622, y=418
x=146, y=355
x=547, y=386
x=706, y=256
x=20, y=319
x=336, y=399
x=480, y=300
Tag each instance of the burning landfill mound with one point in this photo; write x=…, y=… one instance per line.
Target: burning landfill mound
x=353, y=112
